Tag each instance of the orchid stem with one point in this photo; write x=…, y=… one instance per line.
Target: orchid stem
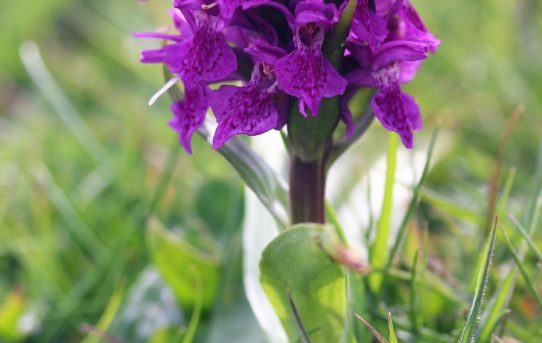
x=307, y=191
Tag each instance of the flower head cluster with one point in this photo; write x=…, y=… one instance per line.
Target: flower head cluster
x=272, y=52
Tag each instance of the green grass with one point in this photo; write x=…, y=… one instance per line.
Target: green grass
x=84, y=164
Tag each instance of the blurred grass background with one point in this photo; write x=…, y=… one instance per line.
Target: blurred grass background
x=83, y=167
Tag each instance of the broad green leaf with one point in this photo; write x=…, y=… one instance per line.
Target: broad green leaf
x=293, y=263
x=185, y=269
x=379, y=251
x=469, y=330
x=107, y=317
x=220, y=205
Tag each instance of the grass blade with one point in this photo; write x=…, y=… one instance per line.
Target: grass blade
x=375, y=333
x=304, y=334
x=33, y=62
x=416, y=194
x=469, y=330
x=508, y=285
x=519, y=263
x=502, y=298
x=393, y=337
x=379, y=250
x=527, y=238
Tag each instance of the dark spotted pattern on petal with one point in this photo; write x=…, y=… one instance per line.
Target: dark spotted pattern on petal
x=205, y=57
x=308, y=75
x=189, y=114
x=250, y=110
x=396, y=110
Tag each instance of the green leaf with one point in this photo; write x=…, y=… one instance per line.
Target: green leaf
x=334, y=46
x=507, y=286
x=196, y=312
x=469, y=330
x=416, y=194
x=220, y=205
x=528, y=239
x=519, y=263
x=107, y=317
x=375, y=332
x=393, y=337
x=11, y=311
x=254, y=171
x=259, y=177
x=379, y=250
x=294, y=263
x=415, y=291
x=185, y=269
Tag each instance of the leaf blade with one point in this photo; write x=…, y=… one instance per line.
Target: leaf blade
x=469, y=330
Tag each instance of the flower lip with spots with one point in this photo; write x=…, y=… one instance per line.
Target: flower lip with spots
x=272, y=51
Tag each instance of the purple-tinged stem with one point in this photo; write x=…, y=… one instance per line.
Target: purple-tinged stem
x=307, y=191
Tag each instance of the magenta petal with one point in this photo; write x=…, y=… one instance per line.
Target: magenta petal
x=368, y=28
x=204, y=57
x=189, y=114
x=397, y=112
x=250, y=110
x=242, y=110
x=307, y=74
x=397, y=51
x=228, y=7
x=346, y=114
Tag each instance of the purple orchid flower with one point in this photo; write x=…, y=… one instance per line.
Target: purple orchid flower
x=305, y=73
x=250, y=110
x=189, y=114
x=387, y=63
x=273, y=50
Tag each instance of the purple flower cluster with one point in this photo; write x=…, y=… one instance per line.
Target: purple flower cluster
x=272, y=52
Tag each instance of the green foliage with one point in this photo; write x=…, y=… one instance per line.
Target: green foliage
x=107, y=317
x=469, y=330
x=84, y=163
x=379, y=250
x=193, y=275
x=11, y=310
x=294, y=266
